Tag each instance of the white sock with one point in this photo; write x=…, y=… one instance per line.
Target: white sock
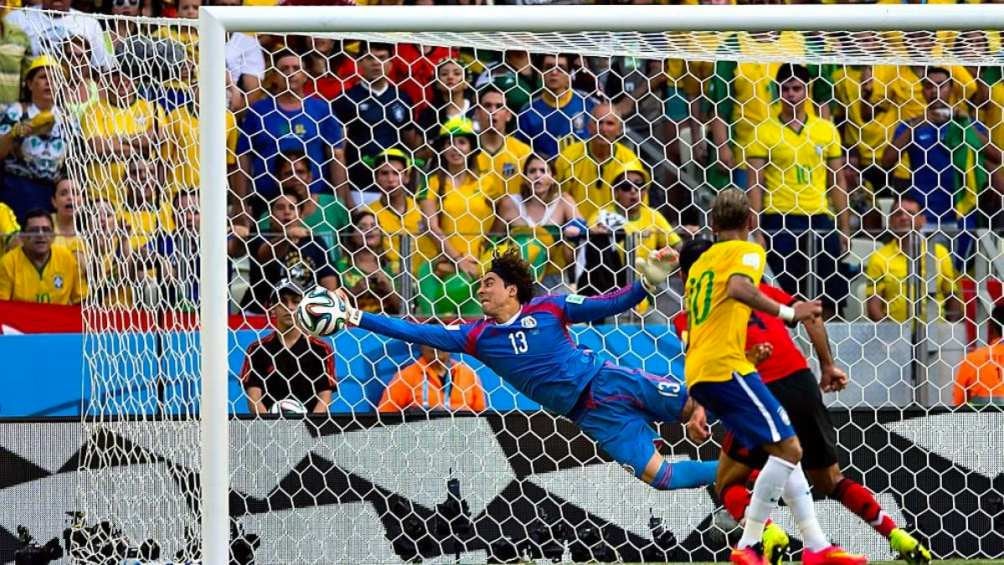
x=798, y=497
x=766, y=493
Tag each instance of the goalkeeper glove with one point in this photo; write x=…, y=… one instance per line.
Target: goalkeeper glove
x=657, y=267
x=349, y=310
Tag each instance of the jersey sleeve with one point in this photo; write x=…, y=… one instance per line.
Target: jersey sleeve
x=757, y=149
x=7, y=278
x=947, y=278
x=749, y=261
x=680, y=323
x=586, y=309
x=875, y=270
x=446, y=338
x=833, y=149
x=249, y=375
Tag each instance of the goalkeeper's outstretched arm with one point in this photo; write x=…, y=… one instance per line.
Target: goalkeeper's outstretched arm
x=445, y=338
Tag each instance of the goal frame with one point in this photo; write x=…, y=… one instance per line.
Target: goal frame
x=216, y=22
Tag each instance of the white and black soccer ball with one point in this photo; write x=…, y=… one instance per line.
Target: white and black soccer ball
x=321, y=312
x=289, y=406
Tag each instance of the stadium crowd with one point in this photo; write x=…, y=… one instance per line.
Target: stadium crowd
x=395, y=171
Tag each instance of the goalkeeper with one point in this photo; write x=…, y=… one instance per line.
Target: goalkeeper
x=525, y=340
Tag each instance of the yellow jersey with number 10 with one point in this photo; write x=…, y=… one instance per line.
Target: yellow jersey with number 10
x=716, y=338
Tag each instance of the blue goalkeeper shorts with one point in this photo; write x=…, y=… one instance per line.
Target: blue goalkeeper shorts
x=618, y=408
x=746, y=408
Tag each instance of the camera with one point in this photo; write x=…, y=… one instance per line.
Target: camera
x=30, y=553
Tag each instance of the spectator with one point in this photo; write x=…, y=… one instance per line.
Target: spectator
x=415, y=69
x=287, y=120
x=245, y=60
x=947, y=154
x=557, y=112
x=366, y=271
x=80, y=89
x=376, y=114
x=794, y=160
x=456, y=207
x=979, y=380
x=452, y=97
x=434, y=381
x=32, y=142
x=547, y=219
x=50, y=27
x=120, y=29
x=743, y=95
x=14, y=58
x=501, y=154
x=9, y=228
x=444, y=291
x=181, y=154
x=38, y=271
x=115, y=130
x=515, y=76
x=888, y=270
x=627, y=216
x=287, y=364
x=398, y=212
x=287, y=251
x=322, y=213
x=65, y=222
x=108, y=254
x=144, y=208
x=587, y=169
x=173, y=255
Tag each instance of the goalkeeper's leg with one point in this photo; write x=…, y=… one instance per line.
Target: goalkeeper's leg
x=617, y=412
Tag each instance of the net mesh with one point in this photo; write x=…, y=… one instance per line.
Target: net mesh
x=393, y=166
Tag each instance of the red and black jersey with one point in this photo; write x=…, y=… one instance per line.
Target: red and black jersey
x=301, y=371
x=763, y=328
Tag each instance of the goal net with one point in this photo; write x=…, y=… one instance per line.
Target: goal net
x=394, y=166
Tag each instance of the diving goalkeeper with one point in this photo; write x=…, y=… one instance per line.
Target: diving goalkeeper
x=525, y=340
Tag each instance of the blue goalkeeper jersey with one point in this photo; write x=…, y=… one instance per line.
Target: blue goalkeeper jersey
x=533, y=351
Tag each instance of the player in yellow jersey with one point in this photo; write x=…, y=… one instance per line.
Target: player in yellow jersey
x=721, y=291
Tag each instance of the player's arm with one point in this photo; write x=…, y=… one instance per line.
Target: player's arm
x=741, y=288
x=452, y=338
x=831, y=378
x=255, y=403
x=586, y=309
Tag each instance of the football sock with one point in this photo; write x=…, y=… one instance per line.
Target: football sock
x=798, y=497
x=861, y=501
x=685, y=474
x=766, y=493
x=735, y=499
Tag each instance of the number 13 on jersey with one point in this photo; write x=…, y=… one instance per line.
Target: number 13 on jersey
x=518, y=341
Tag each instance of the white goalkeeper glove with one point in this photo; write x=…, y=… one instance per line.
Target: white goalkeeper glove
x=657, y=267
x=352, y=314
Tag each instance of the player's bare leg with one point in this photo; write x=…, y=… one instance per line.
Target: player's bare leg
x=859, y=500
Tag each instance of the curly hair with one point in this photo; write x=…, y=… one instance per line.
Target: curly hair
x=513, y=270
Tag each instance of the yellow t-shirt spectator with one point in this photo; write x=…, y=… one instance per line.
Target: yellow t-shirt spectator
x=397, y=226
x=754, y=85
x=796, y=175
x=181, y=149
x=504, y=167
x=465, y=213
x=104, y=120
x=588, y=182
x=887, y=271
x=869, y=137
x=57, y=283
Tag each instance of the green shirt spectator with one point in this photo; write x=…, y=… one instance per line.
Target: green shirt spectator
x=443, y=291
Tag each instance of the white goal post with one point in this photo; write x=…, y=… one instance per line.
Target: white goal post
x=624, y=24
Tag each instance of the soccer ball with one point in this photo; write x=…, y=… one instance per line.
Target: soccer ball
x=289, y=406
x=321, y=312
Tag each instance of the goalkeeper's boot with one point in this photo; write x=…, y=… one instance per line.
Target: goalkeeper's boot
x=908, y=548
x=775, y=543
x=748, y=555
x=832, y=555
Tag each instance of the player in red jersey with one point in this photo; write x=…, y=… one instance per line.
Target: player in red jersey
x=785, y=371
